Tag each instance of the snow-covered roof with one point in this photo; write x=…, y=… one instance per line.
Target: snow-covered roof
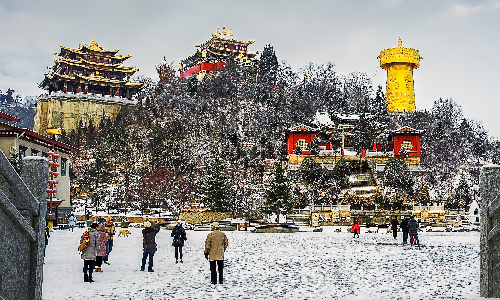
x=322, y=118
x=347, y=117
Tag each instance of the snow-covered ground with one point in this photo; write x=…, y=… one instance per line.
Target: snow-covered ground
x=303, y=265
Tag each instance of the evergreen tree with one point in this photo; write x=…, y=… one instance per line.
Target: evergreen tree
x=268, y=65
x=398, y=176
x=463, y=193
x=278, y=195
x=215, y=191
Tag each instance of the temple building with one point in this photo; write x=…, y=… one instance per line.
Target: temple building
x=213, y=54
x=399, y=63
x=83, y=84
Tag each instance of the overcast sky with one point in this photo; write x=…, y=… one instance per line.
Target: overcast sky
x=458, y=40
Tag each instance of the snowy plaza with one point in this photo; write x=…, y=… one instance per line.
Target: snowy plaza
x=302, y=265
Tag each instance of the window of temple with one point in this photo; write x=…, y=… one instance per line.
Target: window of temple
x=302, y=144
x=63, y=167
x=34, y=152
x=407, y=145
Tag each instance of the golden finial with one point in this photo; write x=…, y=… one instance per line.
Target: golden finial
x=224, y=30
x=400, y=43
x=230, y=31
x=93, y=40
x=218, y=31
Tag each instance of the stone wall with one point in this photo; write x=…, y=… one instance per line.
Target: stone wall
x=22, y=225
x=490, y=231
x=65, y=110
x=205, y=216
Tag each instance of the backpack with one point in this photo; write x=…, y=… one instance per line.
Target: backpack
x=85, y=241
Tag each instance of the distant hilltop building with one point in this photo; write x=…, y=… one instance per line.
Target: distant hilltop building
x=399, y=63
x=213, y=54
x=83, y=84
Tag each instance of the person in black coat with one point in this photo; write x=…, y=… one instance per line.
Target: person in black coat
x=413, y=230
x=405, y=229
x=394, y=227
x=149, y=245
x=179, y=235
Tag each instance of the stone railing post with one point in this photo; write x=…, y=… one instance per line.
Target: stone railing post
x=35, y=175
x=490, y=231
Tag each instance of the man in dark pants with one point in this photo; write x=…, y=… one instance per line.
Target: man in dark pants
x=405, y=230
x=215, y=245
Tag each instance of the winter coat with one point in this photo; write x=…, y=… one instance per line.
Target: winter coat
x=72, y=221
x=394, y=224
x=149, y=242
x=413, y=227
x=404, y=225
x=355, y=227
x=179, y=235
x=215, y=245
x=90, y=252
x=102, y=241
x=110, y=229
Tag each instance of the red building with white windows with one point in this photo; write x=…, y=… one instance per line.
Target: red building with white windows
x=409, y=139
x=213, y=54
x=301, y=137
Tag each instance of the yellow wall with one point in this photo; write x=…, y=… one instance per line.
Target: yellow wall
x=65, y=112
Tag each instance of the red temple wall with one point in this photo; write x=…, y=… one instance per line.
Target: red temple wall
x=414, y=139
x=204, y=66
x=293, y=137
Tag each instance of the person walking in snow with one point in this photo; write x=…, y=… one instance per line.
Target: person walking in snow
x=90, y=252
x=405, y=229
x=355, y=227
x=149, y=245
x=47, y=235
x=215, y=245
x=103, y=238
x=179, y=235
x=394, y=227
x=413, y=230
x=71, y=222
x=110, y=230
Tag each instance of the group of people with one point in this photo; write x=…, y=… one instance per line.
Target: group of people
x=409, y=226
x=98, y=240
x=215, y=245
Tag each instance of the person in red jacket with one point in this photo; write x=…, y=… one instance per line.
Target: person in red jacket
x=355, y=227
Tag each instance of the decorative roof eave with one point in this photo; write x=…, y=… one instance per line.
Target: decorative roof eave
x=32, y=136
x=407, y=130
x=81, y=60
x=228, y=55
x=135, y=84
x=100, y=79
x=103, y=66
x=233, y=51
x=215, y=36
x=100, y=49
x=303, y=128
x=9, y=117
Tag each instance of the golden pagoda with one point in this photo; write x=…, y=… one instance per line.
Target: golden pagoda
x=399, y=63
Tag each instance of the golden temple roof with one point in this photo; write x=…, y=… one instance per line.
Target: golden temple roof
x=399, y=55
